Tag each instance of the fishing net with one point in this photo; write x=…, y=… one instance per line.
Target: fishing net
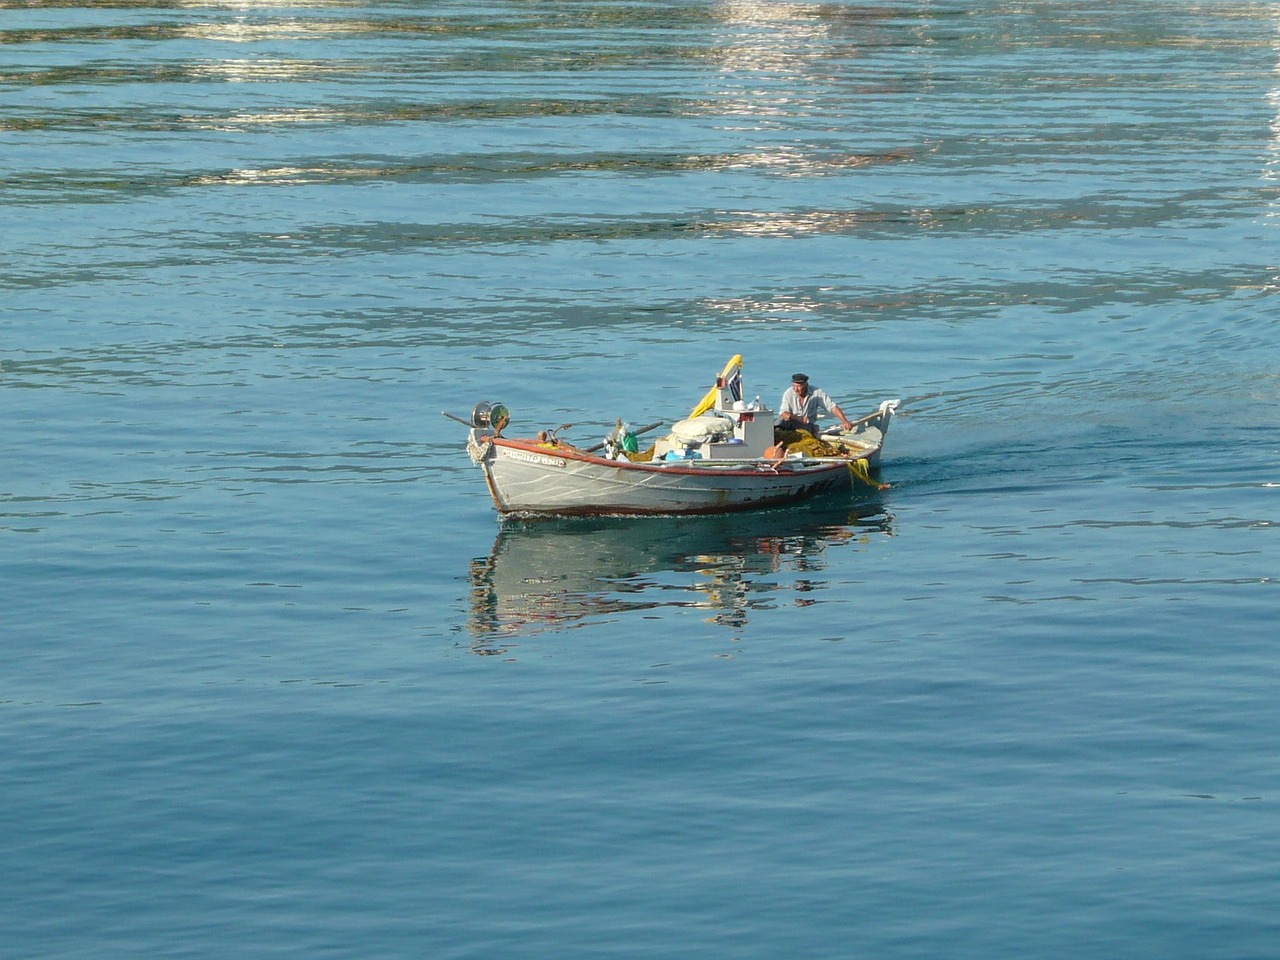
x=800, y=441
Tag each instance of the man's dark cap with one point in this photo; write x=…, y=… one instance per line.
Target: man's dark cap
x=799, y=378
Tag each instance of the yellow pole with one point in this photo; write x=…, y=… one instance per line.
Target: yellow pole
x=709, y=400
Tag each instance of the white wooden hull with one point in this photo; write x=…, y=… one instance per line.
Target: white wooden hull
x=526, y=477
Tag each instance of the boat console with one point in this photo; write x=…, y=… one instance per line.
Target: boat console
x=731, y=430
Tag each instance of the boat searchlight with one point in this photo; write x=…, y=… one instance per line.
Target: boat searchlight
x=490, y=415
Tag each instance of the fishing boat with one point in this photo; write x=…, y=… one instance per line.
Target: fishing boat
x=721, y=458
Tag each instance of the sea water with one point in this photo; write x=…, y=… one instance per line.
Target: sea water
x=274, y=681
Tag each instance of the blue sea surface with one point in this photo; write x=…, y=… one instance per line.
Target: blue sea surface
x=275, y=680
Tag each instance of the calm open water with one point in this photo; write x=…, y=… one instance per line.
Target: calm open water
x=275, y=682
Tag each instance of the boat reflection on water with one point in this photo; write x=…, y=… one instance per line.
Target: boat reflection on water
x=553, y=574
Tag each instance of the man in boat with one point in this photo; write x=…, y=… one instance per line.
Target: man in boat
x=801, y=405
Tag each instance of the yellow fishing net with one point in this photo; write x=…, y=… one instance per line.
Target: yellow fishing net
x=801, y=441
x=862, y=471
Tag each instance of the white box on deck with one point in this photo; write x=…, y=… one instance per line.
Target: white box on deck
x=754, y=430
